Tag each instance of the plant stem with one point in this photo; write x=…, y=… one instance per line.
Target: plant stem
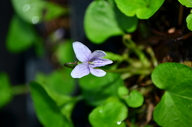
x=20, y=89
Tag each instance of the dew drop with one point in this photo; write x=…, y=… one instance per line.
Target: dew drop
x=35, y=19
x=26, y=7
x=118, y=122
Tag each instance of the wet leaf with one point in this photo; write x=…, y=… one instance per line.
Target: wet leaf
x=110, y=114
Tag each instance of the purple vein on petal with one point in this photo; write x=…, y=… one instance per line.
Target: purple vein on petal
x=82, y=52
x=101, y=62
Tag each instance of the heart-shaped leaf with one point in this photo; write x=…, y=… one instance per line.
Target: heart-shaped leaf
x=100, y=22
x=143, y=9
x=110, y=114
x=174, y=109
x=134, y=99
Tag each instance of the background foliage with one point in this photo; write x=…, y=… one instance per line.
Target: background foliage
x=149, y=83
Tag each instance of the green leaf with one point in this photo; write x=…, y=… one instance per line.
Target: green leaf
x=53, y=11
x=134, y=99
x=100, y=22
x=32, y=11
x=122, y=92
x=113, y=56
x=5, y=90
x=47, y=110
x=189, y=22
x=20, y=35
x=97, y=89
x=175, y=108
x=110, y=114
x=143, y=9
x=186, y=3
x=64, y=52
x=59, y=81
x=126, y=23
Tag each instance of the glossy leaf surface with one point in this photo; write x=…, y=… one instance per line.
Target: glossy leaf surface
x=175, y=107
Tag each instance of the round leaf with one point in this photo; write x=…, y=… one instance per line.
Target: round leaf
x=135, y=99
x=189, y=22
x=143, y=9
x=111, y=114
x=175, y=108
x=100, y=22
x=122, y=92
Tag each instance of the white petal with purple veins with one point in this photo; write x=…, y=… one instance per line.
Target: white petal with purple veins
x=101, y=62
x=97, y=54
x=82, y=52
x=80, y=70
x=97, y=72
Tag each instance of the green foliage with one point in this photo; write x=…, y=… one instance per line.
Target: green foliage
x=134, y=99
x=32, y=10
x=5, y=90
x=103, y=20
x=100, y=22
x=122, y=92
x=143, y=9
x=58, y=81
x=48, y=112
x=186, y=3
x=110, y=114
x=20, y=36
x=64, y=52
x=113, y=56
x=189, y=21
x=175, y=108
x=97, y=89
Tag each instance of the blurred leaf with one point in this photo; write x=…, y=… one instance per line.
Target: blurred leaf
x=113, y=56
x=174, y=109
x=47, y=110
x=110, y=114
x=5, y=90
x=32, y=10
x=126, y=23
x=64, y=52
x=143, y=9
x=97, y=89
x=59, y=81
x=134, y=99
x=100, y=22
x=20, y=36
x=189, y=22
x=122, y=92
x=53, y=11
x=186, y=3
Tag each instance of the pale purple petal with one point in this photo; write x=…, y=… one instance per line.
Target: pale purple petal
x=97, y=72
x=97, y=54
x=101, y=62
x=82, y=52
x=80, y=70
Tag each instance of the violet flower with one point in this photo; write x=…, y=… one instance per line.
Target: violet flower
x=89, y=61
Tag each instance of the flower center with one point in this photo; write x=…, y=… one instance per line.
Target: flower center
x=91, y=63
